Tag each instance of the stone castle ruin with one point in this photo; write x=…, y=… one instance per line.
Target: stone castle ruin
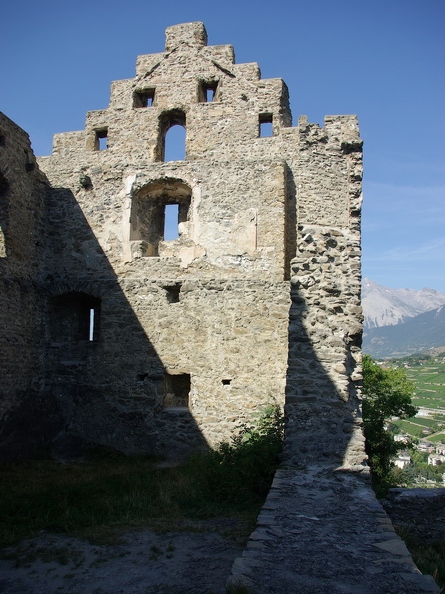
x=115, y=333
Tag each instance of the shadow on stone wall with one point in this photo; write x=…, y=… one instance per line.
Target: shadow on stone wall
x=104, y=373
x=27, y=430
x=104, y=383
x=323, y=418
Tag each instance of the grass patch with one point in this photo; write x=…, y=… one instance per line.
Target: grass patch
x=430, y=423
x=412, y=429
x=110, y=490
x=430, y=385
x=429, y=558
x=428, y=401
x=439, y=437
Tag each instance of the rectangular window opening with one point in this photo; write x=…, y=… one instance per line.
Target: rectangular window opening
x=155, y=221
x=101, y=139
x=177, y=390
x=143, y=98
x=266, y=125
x=207, y=91
x=226, y=382
x=75, y=317
x=171, y=222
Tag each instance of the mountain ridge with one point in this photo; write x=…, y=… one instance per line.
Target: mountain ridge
x=384, y=306
x=416, y=335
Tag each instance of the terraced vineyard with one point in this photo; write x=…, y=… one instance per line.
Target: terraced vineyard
x=428, y=376
x=429, y=380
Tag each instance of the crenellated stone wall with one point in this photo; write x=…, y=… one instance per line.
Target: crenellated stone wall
x=163, y=344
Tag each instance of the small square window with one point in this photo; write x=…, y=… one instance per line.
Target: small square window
x=173, y=292
x=266, y=125
x=143, y=98
x=207, y=91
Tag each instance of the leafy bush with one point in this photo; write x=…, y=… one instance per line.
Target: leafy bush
x=243, y=469
x=387, y=394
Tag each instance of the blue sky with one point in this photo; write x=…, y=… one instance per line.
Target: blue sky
x=383, y=60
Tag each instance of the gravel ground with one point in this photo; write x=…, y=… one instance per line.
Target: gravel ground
x=193, y=559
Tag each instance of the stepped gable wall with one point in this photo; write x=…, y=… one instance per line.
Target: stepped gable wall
x=159, y=343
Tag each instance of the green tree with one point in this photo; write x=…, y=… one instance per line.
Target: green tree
x=387, y=394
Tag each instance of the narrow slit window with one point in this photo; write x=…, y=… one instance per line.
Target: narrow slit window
x=266, y=125
x=91, y=328
x=144, y=98
x=88, y=321
x=101, y=139
x=171, y=219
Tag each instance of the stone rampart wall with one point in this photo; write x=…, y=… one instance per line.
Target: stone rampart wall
x=22, y=203
x=420, y=511
x=23, y=409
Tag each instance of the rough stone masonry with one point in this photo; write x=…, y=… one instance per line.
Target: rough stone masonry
x=115, y=333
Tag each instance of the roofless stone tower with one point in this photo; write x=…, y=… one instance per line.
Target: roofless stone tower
x=160, y=338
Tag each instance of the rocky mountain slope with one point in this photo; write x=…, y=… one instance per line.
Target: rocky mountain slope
x=383, y=306
x=416, y=335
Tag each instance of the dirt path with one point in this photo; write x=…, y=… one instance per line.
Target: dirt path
x=176, y=562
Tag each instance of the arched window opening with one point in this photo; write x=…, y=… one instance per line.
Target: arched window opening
x=174, y=149
x=75, y=317
x=173, y=136
x=160, y=212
